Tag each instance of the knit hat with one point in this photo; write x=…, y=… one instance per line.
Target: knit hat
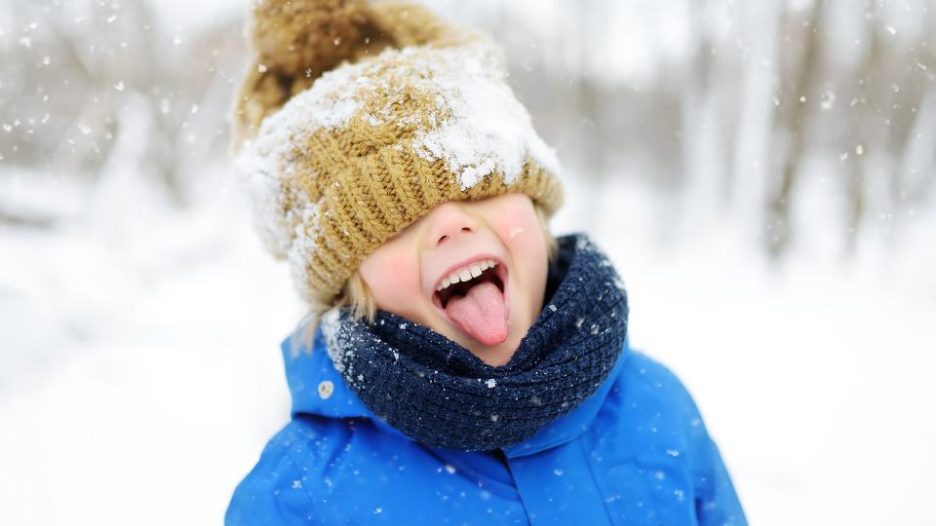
x=357, y=118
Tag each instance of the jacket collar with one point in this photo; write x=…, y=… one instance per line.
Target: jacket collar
x=317, y=388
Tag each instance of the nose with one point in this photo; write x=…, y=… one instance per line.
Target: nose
x=448, y=221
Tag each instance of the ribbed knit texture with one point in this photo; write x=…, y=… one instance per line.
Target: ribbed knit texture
x=440, y=394
x=358, y=118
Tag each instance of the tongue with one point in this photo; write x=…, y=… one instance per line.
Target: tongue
x=481, y=314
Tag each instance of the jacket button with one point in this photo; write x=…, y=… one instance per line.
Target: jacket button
x=325, y=389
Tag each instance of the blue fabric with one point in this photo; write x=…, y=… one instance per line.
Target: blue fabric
x=440, y=394
x=635, y=453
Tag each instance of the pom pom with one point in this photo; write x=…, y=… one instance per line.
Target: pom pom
x=306, y=37
x=296, y=41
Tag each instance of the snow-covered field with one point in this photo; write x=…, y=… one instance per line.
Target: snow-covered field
x=140, y=374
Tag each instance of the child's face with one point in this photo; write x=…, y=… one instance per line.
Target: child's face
x=489, y=314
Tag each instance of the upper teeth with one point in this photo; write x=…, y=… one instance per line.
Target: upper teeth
x=467, y=273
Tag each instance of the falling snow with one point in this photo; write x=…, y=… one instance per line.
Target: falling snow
x=178, y=269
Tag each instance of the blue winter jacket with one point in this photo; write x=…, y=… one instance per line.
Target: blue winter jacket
x=635, y=453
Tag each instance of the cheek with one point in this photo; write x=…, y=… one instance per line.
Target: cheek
x=523, y=235
x=392, y=279
x=524, y=238
x=528, y=239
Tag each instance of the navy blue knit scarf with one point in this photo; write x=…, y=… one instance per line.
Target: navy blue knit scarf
x=440, y=394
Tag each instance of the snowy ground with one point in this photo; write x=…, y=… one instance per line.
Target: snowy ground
x=140, y=375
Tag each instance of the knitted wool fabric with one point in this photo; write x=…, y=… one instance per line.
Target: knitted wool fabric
x=441, y=394
x=359, y=118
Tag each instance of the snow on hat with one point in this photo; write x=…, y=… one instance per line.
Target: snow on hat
x=358, y=118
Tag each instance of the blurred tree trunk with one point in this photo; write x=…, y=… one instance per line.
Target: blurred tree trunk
x=591, y=24
x=860, y=122
x=795, y=104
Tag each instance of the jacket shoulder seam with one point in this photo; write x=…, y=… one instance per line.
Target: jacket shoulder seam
x=305, y=490
x=599, y=485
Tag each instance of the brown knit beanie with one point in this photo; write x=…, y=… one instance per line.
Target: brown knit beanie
x=358, y=118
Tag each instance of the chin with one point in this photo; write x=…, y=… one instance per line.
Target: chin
x=497, y=355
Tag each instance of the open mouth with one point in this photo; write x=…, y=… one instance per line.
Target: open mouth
x=458, y=283
x=473, y=298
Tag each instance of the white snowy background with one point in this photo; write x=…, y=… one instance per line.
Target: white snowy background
x=762, y=172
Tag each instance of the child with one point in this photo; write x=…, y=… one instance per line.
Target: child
x=467, y=368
